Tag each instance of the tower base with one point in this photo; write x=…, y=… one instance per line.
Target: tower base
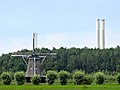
x=42, y=79
x=28, y=79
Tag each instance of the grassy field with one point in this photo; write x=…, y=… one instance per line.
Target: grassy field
x=58, y=87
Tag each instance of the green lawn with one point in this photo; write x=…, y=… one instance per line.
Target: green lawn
x=59, y=87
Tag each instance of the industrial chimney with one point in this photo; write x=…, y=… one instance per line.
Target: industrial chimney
x=100, y=34
x=97, y=33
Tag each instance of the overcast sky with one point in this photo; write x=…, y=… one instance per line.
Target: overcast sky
x=59, y=23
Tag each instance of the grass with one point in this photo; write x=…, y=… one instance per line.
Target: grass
x=59, y=87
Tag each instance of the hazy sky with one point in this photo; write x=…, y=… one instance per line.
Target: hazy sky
x=59, y=23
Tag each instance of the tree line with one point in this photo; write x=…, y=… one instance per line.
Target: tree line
x=86, y=59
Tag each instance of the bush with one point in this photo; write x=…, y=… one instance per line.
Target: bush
x=35, y=80
x=110, y=79
x=88, y=80
x=118, y=78
x=6, y=78
x=12, y=75
x=78, y=77
x=51, y=76
x=99, y=77
x=19, y=78
x=63, y=77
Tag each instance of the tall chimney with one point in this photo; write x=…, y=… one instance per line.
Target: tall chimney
x=97, y=33
x=102, y=34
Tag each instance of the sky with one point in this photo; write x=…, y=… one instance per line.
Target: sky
x=59, y=23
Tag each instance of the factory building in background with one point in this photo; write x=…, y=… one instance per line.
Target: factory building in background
x=100, y=33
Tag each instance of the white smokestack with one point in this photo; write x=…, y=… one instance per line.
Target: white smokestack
x=102, y=34
x=97, y=33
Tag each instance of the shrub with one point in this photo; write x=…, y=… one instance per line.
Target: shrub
x=6, y=78
x=12, y=75
x=51, y=76
x=63, y=77
x=110, y=79
x=19, y=78
x=35, y=80
x=118, y=78
x=78, y=77
x=88, y=79
x=99, y=77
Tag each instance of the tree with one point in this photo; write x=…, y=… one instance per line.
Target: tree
x=88, y=79
x=99, y=77
x=35, y=80
x=19, y=78
x=86, y=59
x=63, y=77
x=21, y=67
x=78, y=77
x=6, y=78
x=51, y=76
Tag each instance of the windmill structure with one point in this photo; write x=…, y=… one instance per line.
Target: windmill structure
x=34, y=61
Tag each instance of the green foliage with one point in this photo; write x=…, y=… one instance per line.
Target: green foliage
x=63, y=77
x=78, y=77
x=51, y=76
x=35, y=80
x=89, y=60
x=99, y=77
x=19, y=78
x=21, y=67
x=118, y=78
x=88, y=79
x=12, y=75
x=6, y=78
x=110, y=79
